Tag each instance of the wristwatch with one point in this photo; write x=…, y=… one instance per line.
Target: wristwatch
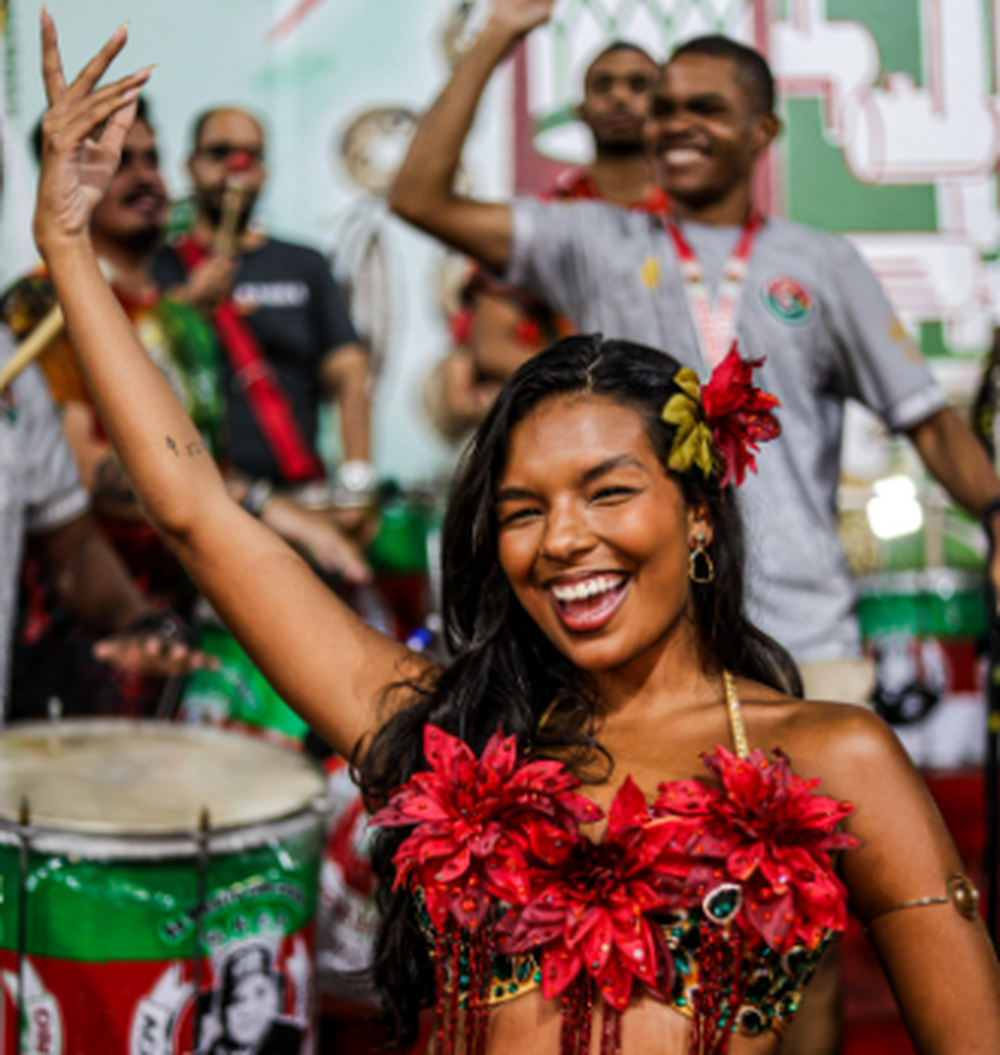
x=258, y=497
x=354, y=484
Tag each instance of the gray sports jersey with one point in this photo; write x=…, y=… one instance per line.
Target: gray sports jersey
x=39, y=486
x=818, y=315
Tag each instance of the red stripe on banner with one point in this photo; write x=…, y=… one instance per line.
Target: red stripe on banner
x=292, y=19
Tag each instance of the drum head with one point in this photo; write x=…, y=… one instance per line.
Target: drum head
x=148, y=778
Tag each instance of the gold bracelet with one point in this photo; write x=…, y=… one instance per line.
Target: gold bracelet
x=962, y=893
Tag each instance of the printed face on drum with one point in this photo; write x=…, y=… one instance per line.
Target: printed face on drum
x=230, y=143
x=252, y=1009
x=134, y=209
x=594, y=535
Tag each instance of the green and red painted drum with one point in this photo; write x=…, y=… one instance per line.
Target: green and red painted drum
x=133, y=930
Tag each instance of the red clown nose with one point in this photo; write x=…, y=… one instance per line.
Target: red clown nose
x=239, y=161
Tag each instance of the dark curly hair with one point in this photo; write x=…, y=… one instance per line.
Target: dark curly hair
x=505, y=670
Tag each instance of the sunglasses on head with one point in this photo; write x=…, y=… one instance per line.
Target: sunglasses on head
x=222, y=152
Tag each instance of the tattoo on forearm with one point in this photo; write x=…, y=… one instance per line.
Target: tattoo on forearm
x=111, y=482
x=193, y=449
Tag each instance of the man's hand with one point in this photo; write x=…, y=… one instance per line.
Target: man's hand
x=156, y=643
x=312, y=532
x=82, y=137
x=209, y=284
x=520, y=17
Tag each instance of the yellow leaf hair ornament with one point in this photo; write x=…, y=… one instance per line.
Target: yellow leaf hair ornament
x=693, y=443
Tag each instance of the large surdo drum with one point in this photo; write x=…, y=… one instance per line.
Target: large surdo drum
x=159, y=890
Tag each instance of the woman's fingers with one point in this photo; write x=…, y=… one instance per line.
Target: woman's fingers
x=88, y=78
x=69, y=125
x=52, y=69
x=79, y=110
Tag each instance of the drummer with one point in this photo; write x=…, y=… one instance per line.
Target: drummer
x=41, y=499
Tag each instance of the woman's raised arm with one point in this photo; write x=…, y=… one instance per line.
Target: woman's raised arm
x=319, y=656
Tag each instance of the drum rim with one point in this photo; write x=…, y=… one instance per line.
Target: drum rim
x=317, y=805
x=162, y=846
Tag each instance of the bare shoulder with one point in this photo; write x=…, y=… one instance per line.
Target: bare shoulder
x=837, y=742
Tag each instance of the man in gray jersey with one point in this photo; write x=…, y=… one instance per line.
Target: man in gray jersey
x=690, y=282
x=808, y=304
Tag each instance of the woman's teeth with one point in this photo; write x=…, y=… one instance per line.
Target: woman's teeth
x=580, y=591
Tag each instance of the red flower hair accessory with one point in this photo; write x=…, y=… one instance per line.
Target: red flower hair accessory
x=588, y=915
x=735, y=418
x=762, y=844
x=740, y=415
x=474, y=819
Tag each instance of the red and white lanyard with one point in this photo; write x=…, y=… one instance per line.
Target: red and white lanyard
x=715, y=322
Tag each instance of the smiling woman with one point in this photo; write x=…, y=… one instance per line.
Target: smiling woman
x=594, y=536
x=572, y=613
x=601, y=872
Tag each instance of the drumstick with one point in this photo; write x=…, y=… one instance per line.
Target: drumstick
x=233, y=199
x=32, y=346
x=39, y=339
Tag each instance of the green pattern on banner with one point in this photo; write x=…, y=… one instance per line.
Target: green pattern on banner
x=300, y=68
x=922, y=613
x=895, y=26
x=823, y=193
x=103, y=911
x=933, y=343
x=237, y=691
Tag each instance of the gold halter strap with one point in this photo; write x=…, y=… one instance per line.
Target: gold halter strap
x=735, y=716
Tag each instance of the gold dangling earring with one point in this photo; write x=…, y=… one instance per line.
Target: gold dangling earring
x=707, y=575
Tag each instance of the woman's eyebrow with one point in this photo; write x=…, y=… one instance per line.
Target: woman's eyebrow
x=620, y=461
x=514, y=494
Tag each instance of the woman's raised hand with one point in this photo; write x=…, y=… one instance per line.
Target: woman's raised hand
x=521, y=16
x=82, y=137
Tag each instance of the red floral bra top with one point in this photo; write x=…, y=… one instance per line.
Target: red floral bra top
x=717, y=900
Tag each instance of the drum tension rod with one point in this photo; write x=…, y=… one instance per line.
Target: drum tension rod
x=24, y=840
x=202, y=839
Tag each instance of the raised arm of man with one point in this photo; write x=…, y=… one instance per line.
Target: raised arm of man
x=424, y=194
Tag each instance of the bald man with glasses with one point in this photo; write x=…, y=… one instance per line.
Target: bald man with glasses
x=290, y=346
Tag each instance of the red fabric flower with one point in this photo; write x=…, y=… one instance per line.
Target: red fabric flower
x=588, y=911
x=739, y=415
x=768, y=832
x=475, y=818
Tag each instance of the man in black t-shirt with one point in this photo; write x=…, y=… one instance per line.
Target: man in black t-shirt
x=279, y=301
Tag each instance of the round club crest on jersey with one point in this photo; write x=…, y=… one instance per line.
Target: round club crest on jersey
x=788, y=300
